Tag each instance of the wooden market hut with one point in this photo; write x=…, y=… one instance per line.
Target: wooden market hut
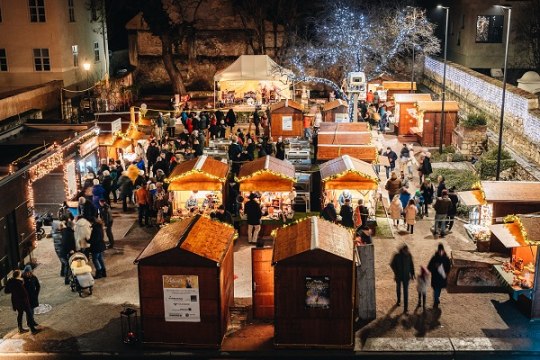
x=501, y=198
x=398, y=87
x=336, y=111
x=314, y=277
x=429, y=116
x=405, y=108
x=354, y=139
x=348, y=173
x=521, y=234
x=267, y=174
x=190, y=258
x=286, y=119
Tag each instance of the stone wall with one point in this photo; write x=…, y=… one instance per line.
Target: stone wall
x=43, y=97
x=476, y=92
x=469, y=141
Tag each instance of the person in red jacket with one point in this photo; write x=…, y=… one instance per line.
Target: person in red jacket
x=21, y=302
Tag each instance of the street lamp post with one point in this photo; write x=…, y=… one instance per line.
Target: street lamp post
x=86, y=67
x=442, y=130
x=499, y=152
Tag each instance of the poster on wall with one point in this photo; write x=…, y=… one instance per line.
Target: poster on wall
x=342, y=117
x=317, y=292
x=181, y=298
x=286, y=124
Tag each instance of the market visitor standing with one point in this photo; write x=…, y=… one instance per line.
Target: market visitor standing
x=403, y=267
x=20, y=302
x=439, y=266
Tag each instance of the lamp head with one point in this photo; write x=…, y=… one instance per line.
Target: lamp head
x=442, y=7
x=86, y=66
x=504, y=7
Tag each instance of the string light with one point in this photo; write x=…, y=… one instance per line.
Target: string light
x=264, y=171
x=523, y=232
x=194, y=172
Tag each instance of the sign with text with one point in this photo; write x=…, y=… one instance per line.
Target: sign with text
x=116, y=125
x=181, y=298
x=286, y=123
x=87, y=146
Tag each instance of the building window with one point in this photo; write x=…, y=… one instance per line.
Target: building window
x=37, y=10
x=75, y=52
x=96, y=51
x=3, y=60
x=71, y=11
x=489, y=28
x=42, y=62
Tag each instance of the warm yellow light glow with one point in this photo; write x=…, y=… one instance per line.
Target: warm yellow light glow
x=86, y=66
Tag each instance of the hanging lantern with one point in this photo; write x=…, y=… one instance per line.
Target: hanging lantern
x=129, y=323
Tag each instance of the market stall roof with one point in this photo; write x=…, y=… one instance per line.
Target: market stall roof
x=524, y=231
x=136, y=134
x=335, y=104
x=344, y=134
x=199, y=235
x=472, y=198
x=411, y=98
x=312, y=233
x=511, y=191
x=348, y=173
x=286, y=103
x=437, y=106
x=398, y=85
x=341, y=127
x=203, y=173
x=122, y=143
x=145, y=122
x=267, y=174
x=253, y=67
x=105, y=139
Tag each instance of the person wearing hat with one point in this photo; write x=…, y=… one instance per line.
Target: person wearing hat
x=439, y=266
x=346, y=213
x=32, y=286
x=345, y=195
x=20, y=302
x=254, y=215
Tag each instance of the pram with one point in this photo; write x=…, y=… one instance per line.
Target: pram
x=81, y=274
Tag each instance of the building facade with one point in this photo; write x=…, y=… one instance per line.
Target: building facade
x=477, y=33
x=46, y=40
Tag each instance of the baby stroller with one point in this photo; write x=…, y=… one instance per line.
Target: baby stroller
x=81, y=274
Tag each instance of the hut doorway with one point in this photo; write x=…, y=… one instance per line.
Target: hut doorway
x=263, y=283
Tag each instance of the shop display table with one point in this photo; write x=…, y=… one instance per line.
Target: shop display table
x=515, y=291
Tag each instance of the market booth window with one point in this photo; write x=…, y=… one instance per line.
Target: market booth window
x=186, y=283
x=197, y=183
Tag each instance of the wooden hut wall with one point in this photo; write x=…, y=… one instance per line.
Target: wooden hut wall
x=330, y=115
x=367, y=153
x=502, y=209
x=226, y=283
x=277, y=122
x=155, y=330
x=299, y=326
x=431, y=128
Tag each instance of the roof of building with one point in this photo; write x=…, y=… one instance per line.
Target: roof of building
x=268, y=164
x=335, y=104
x=312, y=233
x=511, y=191
x=286, y=103
x=354, y=172
x=437, y=106
x=411, y=98
x=202, y=173
x=199, y=235
x=512, y=234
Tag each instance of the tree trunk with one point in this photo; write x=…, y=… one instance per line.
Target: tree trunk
x=168, y=61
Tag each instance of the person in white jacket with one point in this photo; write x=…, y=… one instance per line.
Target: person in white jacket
x=83, y=230
x=396, y=209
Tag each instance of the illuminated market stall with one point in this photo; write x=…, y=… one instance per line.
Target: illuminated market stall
x=354, y=139
x=286, y=119
x=186, y=287
x=404, y=118
x=198, y=183
x=492, y=201
x=273, y=181
x=347, y=177
x=521, y=234
x=314, y=276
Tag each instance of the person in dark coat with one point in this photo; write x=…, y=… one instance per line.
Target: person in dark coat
x=106, y=183
x=97, y=247
x=441, y=185
x=87, y=209
x=427, y=190
x=106, y=216
x=329, y=213
x=20, y=302
x=250, y=149
x=257, y=121
x=439, y=266
x=32, y=286
x=235, y=153
x=425, y=168
x=403, y=267
x=346, y=213
x=223, y=215
x=98, y=192
x=68, y=245
x=152, y=153
x=280, y=149
x=453, y=208
x=56, y=233
x=254, y=215
x=230, y=119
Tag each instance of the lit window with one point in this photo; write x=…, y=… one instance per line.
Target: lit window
x=489, y=28
x=71, y=10
x=75, y=52
x=96, y=51
x=37, y=10
x=3, y=60
x=42, y=62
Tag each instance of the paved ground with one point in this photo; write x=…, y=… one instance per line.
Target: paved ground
x=465, y=322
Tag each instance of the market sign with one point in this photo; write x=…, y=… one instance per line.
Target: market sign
x=116, y=126
x=181, y=298
x=287, y=123
x=87, y=146
x=317, y=292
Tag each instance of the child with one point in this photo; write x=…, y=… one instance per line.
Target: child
x=419, y=201
x=422, y=282
x=410, y=215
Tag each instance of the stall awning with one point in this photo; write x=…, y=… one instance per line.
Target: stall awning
x=312, y=233
x=267, y=174
x=508, y=235
x=335, y=104
x=472, y=198
x=411, y=98
x=121, y=143
x=254, y=67
x=512, y=191
x=428, y=106
x=199, y=235
x=105, y=139
x=201, y=174
x=145, y=122
x=524, y=230
x=348, y=173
